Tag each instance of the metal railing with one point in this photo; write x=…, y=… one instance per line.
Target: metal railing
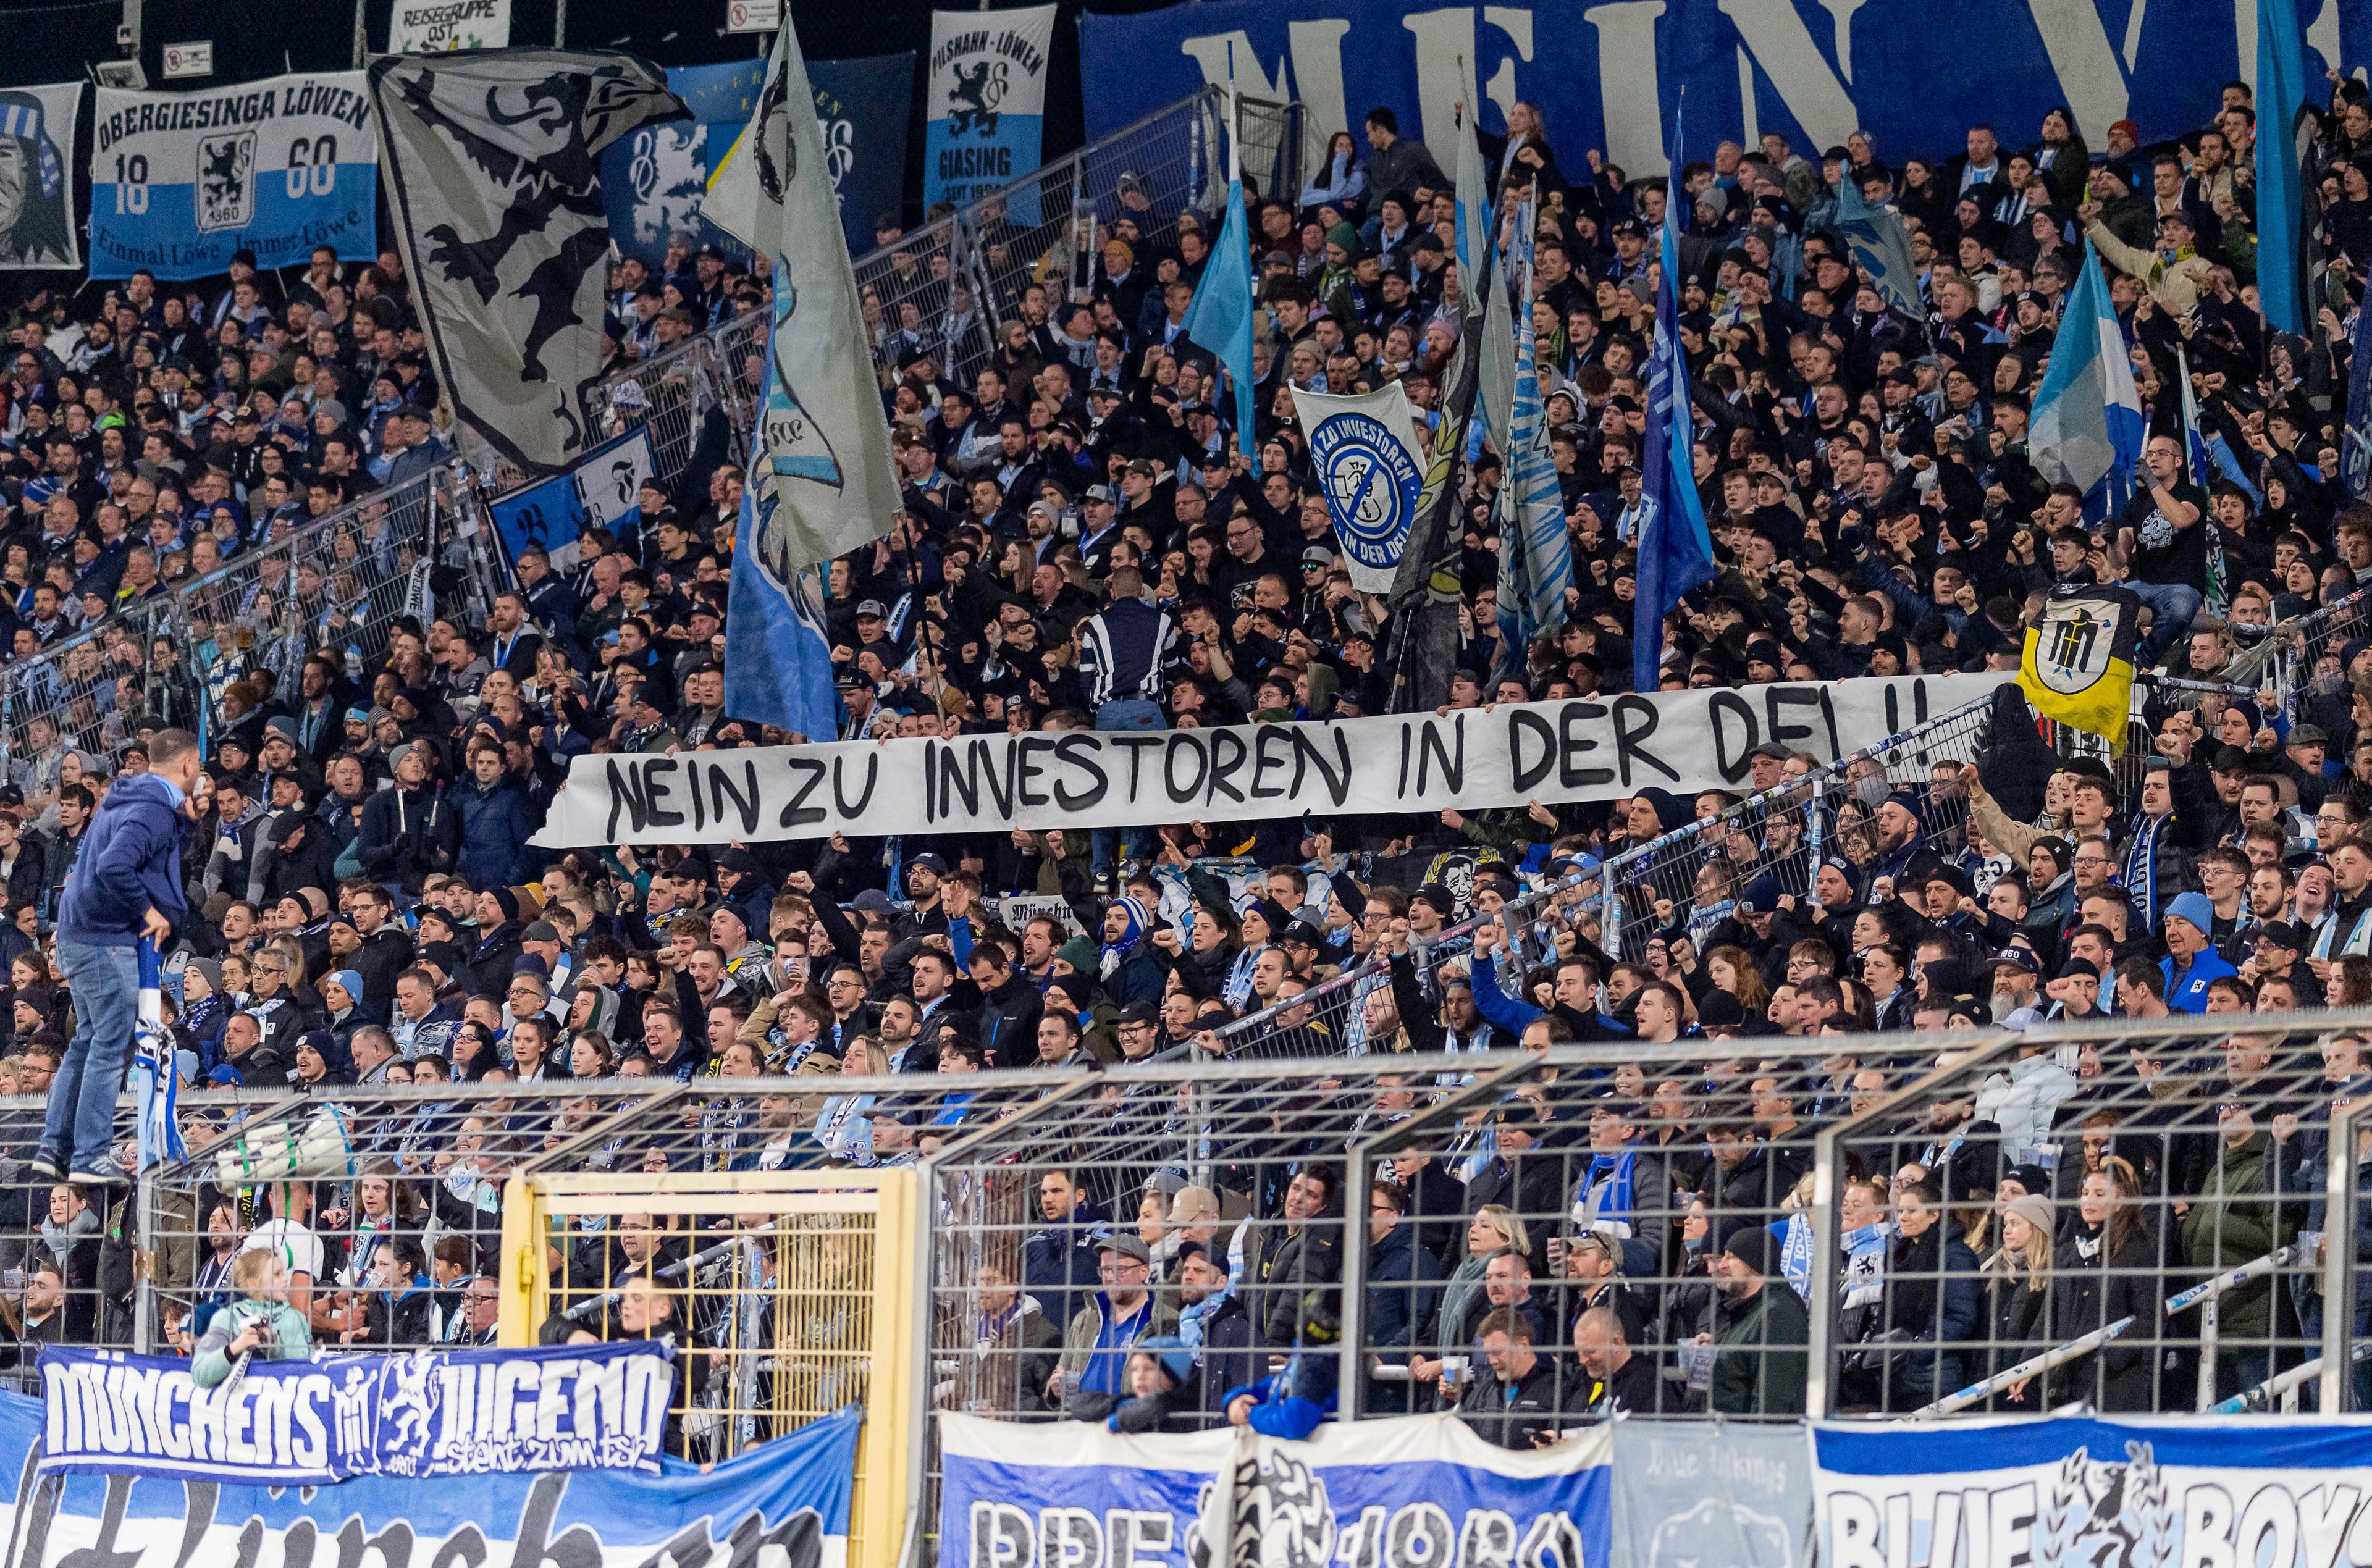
x=957, y=286
x=2163, y=1167
x=2289, y=655
x=1689, y=879
x=335, y=585
x=677, y=393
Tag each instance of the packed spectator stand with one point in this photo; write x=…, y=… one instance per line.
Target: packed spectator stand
x=1546, y=1047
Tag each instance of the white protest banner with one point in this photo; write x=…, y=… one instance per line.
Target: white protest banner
x=430, y=26
x=2074, y=1494
x=181, y=181
x=1592, y=749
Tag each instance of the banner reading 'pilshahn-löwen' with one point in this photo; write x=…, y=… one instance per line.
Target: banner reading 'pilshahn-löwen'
x=1592, y=749
x=304, y=1422
x=181, y=181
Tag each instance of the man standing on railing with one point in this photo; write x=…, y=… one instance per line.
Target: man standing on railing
x=125, y=887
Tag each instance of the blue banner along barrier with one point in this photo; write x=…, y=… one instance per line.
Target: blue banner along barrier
x=305, y=1423
x=1610, y=75
x=1399, y=1492
x=2071, y=1491
x=604, y=489
x=784, y=1503
x=984, y=117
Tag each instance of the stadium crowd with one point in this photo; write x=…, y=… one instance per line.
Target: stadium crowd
x=1082, y=545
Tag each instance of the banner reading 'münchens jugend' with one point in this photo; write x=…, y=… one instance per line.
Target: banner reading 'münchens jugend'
x=1593, y=748
x=305, y=1423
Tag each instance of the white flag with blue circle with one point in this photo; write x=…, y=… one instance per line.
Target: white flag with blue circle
x=1365, y=451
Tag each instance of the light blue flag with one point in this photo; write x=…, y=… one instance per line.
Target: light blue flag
x=2087, y=429
x=1220, y=319
x=1535, y=550
x=2281, y=187
x=1675, y=550
x=1882, y=247
x=777, y=652
x=1473, y=206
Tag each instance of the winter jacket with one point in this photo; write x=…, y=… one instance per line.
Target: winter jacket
x=131, y=862
x=1760, y=1361
x=287, y=1338
x=494, y=825
x=2233, y=1221
x=2085, y=1296
x=406, y=834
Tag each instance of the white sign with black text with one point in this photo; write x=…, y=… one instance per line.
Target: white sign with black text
x=1590, y=749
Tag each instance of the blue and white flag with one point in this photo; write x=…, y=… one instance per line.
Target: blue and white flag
x=157, y=1133
x=1882, y=247
x=1365, y=451
x=821, y=480
x=2088, y=416
x=2284, y=134
x=1535, y=549
x=305, y=1423
x=1474, y=205
x=785, y=1504
x=1675, y=548
x=1220, y=319
x=1365, y=1493
x=777, y=643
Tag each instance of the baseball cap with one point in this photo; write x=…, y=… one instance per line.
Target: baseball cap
x=2016, y=959
x=874, y=608
x=1317, y=555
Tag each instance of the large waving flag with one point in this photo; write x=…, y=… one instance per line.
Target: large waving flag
x=2282, y=129
x=1881, y=245
x=1535, y=550
x=820, y=482
x=2088, y=416
x=1220, y=319
x=1675, y=550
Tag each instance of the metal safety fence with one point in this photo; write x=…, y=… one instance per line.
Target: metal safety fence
x=2300, y=658
x=1686, y=881
x=2139, y=1215
x=969, y=283
x=707, y=387
x=335, y=586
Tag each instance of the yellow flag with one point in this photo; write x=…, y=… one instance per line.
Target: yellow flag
x=2078, y=665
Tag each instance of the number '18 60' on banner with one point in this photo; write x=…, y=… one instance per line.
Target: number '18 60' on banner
x=181, y=181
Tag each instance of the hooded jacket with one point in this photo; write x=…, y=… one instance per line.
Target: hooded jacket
x=131, y=862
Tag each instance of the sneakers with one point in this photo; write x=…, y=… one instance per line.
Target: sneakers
x=108, y=1174
x=45, y=1166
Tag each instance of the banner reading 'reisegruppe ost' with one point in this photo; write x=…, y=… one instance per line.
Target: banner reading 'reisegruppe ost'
x=1593, y=748
x=429, y=27
x=181, y=181
x=304, y=1422
x=1399, y=1492
x=986, y=115
x=785, y=1504
x=2077, y=1493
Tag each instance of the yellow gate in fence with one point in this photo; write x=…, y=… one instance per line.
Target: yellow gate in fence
x=791, y=1295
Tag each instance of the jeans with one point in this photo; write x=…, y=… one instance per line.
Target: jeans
x=79, y=1128
x=2173, y=606
x=1123, y=712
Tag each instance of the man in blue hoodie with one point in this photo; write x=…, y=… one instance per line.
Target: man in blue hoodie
x=126, y=884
